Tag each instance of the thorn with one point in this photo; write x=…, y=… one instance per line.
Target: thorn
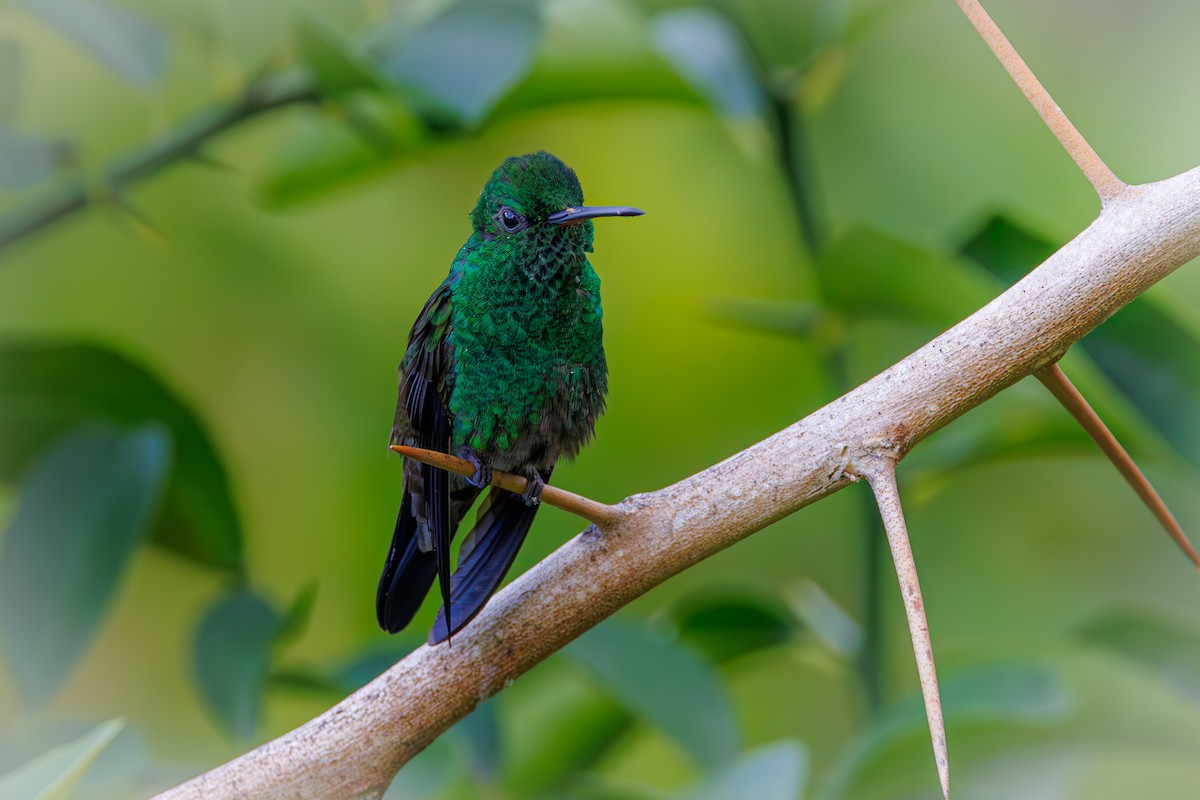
x=139, y=221
x=204, y=159
x=599, y=514
x=1066, y=393
x=883, y=483
x=1106, y=184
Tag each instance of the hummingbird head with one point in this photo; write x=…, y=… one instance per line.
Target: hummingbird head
x=538, y=197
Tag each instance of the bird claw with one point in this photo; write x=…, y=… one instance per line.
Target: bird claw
x=533, y=490
x=483, y=472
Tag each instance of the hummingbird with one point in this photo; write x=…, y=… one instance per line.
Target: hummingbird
x=504, y=368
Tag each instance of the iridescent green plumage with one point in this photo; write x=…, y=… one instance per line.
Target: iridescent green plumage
x=505, y=366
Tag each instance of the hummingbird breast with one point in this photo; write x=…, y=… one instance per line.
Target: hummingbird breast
x=530, y=375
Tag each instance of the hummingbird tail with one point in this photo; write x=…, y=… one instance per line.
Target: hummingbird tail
x=408, y=573
x=486, y=556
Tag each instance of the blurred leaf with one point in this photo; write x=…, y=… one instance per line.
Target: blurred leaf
x=464, y=59
x=566, y=729
x=1164, y=647
x=664, y=684
x=26, y=159
x=481, y=732
x=775, y=772
x=327, y=156
x=601, y=786
x=828, y=621
x=85, y=506
x=429, y=774
x=296, y=620
x=126, y=42
x=596, y=50
x=368, y=666
x=1021, y=432
x=47, y=388
x=10, y=86
x=1009, y=250
x=994, y=695
x=337, y=66
x=868, y=273
x=1151, y=355
x=782, y=33
x=53, y=775
x=710, y=54
x=309, y=681
x=823, y=76
x=1148, y=349
x=234, y=644
x=790, y=318
x=728, y=625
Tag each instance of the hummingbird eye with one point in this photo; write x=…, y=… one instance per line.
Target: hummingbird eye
x=510, y=220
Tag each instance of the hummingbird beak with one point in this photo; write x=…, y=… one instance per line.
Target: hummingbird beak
x=575, y=214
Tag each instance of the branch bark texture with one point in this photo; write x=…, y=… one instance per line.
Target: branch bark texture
x=354, y=749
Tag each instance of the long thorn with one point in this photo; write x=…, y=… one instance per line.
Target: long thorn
x=596, y=513
x=1066, y=393
x=1107, y=184
x=887, y=496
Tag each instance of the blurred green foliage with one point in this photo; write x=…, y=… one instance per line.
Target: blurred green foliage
x=219, y=219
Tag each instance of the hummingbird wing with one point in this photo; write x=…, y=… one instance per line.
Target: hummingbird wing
x=421, y=541
x=485, y=558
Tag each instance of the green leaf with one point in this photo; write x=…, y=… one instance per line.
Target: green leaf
x=596, y=50
x=54, y=774
x=235, y=641
x=1150, y=352
x=367, y=666
x=775, y=772
x=85, y=505
x=307, y=681
x=664, y=684
x=461, y=62
x=11, y=67
x=1147, y=349
x=1021, y=432
x=48, y=388
x=298, y=614
x=566, y=729
x=993, y=695
x=1007, y=249
x=787, y=317
x=728, y=625
x=480, y=730
x=349, y=142
x=1167, y=648
x=333, y=59
x=26, y=160
x=710, y=55
x=870, y=274
x=131, y=45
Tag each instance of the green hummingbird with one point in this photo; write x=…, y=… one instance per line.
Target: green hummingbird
x=504, y=368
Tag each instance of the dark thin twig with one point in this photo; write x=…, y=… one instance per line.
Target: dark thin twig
x=185, y=141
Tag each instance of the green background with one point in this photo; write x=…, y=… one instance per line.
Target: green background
x=273, y=295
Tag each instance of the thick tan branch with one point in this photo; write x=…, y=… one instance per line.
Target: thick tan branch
x=1094, y=169
x=1066, y=393
x=882, y=477
x=356, y=747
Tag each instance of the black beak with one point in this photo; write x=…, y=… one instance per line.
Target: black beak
x=571, y=215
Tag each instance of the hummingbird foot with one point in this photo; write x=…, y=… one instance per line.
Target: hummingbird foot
x=533, y=490
x=483, y=472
